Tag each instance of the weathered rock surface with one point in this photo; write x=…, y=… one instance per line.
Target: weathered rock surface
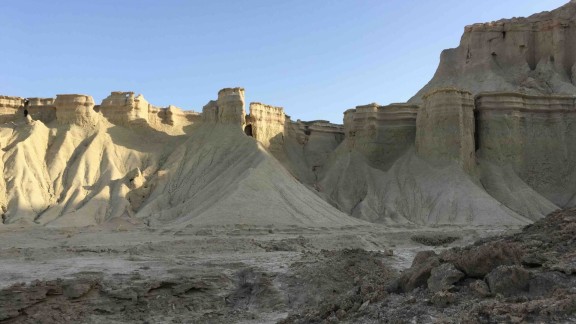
x=478, y=261
x=535, y=55
x=9, y=108
x=382, y=134
x=496, y=159
x=228, y=109
x=532, y=135
x=443, y=277
x=220, y=176
x=75, y=109
x=267, y=125
x=508, y=280
x=123, y=108
x=419, y=274
x=42, y=109
x=445, y=128
x=505, y=293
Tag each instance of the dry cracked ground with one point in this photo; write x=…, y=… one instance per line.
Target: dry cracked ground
x=241, y=274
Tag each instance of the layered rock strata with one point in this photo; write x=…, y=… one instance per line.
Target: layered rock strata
x=124, y=108
x=534, y=55
x=445, y=127
x=267, y=125
x=228, y=109
x=75, y=109
x=171, y=116
x=534, y=136
x=381, y=133
x=10, y=107
x=42, y=109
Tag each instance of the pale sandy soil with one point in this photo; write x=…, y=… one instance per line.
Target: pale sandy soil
x=128, y=266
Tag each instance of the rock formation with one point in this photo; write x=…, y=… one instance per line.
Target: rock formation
x=123, y=108
x=75, y=109
x=445, y=127
x=9, y=107
x=266, y=125
x=129, y=110
x=534, y=55
x=42, y=109
x=455, y=155
x=534, y=137
x=221, y=176
x=228, y=109
x=303, y=147
x=381, y=133
x=171, y=118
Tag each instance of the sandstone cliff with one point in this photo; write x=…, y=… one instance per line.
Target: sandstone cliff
x=381, y=133
x=42, y=109
x=451, y=157
x=445, y=127
x=221, y=176
x=75, y=109
x=533, y=137
x=129, y=110
x=534, y=55
x=9, y=108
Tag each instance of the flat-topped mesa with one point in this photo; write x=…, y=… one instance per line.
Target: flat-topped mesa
x=75, y=109
x=171, y=116
x=266, y=124
x=536, y=55
x=445, y=127
x=381, y=133
x=9, y=108
x=228, y=109
x=534, y=135
x=124, y=108
x=42, y=109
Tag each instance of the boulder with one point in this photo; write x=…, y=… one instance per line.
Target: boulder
x=443, y=277
x=418, y=274
x=478, y=261
x=480, y=288
x=544, y=283
x=508, y=280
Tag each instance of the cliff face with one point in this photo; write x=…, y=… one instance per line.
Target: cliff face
x=535, y=137
x=302, y=147
x=42, y=109
x=267, y=125
x=9, y=108
x=445, y=127
x=456, y=156
x=534, y=55
x=75, y=109
x=228, y=109
x=396, y=164
x=381, y=133
x=129, y=110
x=123, y=108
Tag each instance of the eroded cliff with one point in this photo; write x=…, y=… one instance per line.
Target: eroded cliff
x=534, y=55
x=456, y=155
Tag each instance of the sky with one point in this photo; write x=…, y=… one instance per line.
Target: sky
x=315, y=58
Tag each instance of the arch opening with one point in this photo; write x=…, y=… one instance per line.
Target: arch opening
x=248, y=130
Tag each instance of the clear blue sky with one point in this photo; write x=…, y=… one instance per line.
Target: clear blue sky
x=314, y=58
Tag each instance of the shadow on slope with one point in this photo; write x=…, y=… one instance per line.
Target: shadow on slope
x=221, y=176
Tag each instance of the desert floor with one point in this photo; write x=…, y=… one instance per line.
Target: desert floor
x=243, y=274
